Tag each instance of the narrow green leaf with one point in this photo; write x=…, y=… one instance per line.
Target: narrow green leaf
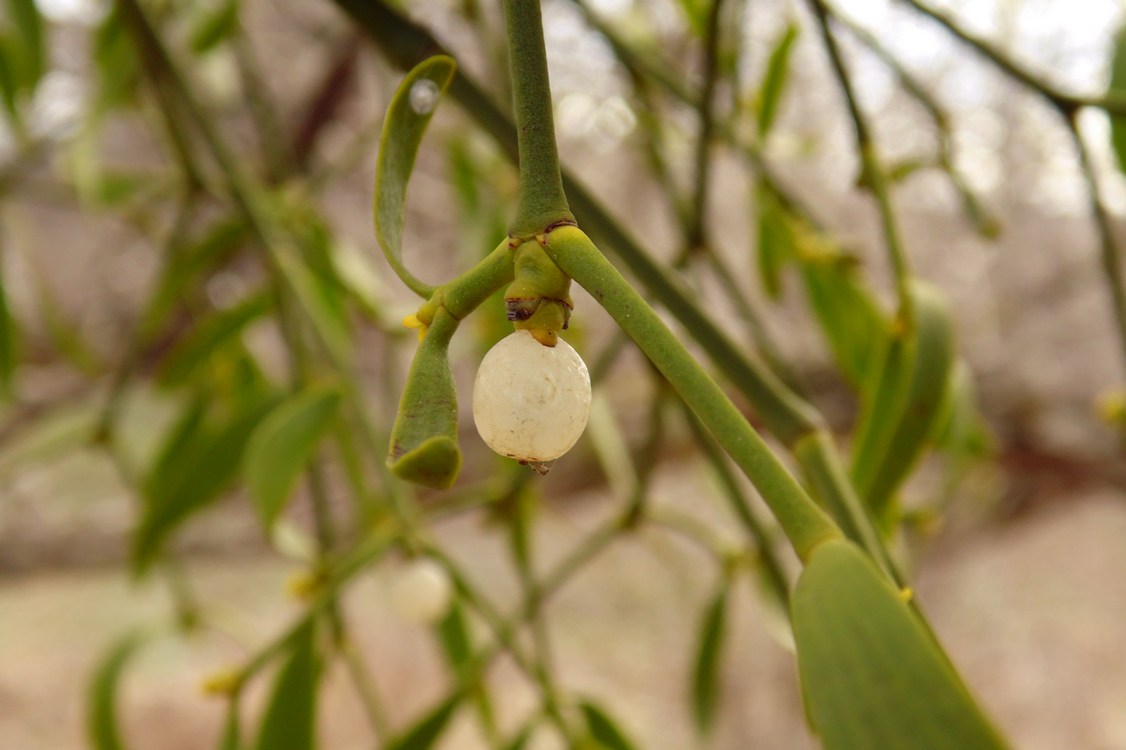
x=116, y=63
x=192, y=260
x=282, y=445
x=214, y=26
x=424, y=447
x=210, y=336
x=706, y=674
x=696, y=13
x=290, y=719
x=407, y=118
x=849, y=316
x=320, y=301
x=603, y=729
x=775, y=242
x=1118, y=86
x=426, y=732
x=774, y=79
x=932, y=360
x=453, y=632
x=872, y=675
x=102, y=723
x=199, y=462
x=231, y=738
x=9, y=336
x=26, y=49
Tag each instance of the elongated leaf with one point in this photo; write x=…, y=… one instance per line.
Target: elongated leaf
x=424, y=447
x=193, y=259
x=9, y=335
x=406, y=122
x=706, y=674
x=290, y=719
x=871, y=673
x=603, y=729
x=25, y=49
x=209, y=337
x=116, y=62
x=428, y=730
x=1118, y=86
x=215, y=26
x=102, y=722
x=931, y=365
x=775, y=243
x=453, y=631
x=774, y=79
x=200, y=461
x=282, y=445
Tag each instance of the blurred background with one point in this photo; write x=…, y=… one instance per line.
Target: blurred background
x=121, y=250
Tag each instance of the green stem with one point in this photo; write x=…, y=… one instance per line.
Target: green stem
x=542, y=202
x=801, y=519
x=872, y=171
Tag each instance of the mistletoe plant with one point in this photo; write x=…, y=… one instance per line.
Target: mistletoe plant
x=873, y=674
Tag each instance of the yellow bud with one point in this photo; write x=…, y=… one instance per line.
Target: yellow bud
x=224, y=681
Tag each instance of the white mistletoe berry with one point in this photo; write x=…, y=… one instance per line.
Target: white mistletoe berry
x=530, y=401
x=421, y=591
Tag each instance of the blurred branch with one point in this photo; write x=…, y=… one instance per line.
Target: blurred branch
x=872, y=171
x=986, y=224
x=1068, y=106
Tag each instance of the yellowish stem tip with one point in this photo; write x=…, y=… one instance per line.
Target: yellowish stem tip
x=412, y=321
x=907, y=593
x=303, y=585
x=222, y=682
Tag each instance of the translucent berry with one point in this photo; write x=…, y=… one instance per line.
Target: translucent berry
x=530, y=401
x=421, y=591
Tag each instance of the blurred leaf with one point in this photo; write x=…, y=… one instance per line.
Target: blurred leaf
x=403, y=129
x=775, y=242
x=214, y=26
x=24, y=57
x=930, y=354
x=521, y=739
x=210, y=336
x=696, y=13
x=231, y=739
x=959, y=427
x=848, y=315
x=9, y=337
x=200, y=460
x=101, y=721
x=453, y=632
x=705, y=674
x=872, y=675
x=64, y=333
x=774, y=79
x=603, y=729
x=190, y=261
x=426, y=732
x=290, y=719
x=283, y=444
x=1118, y=86
x=320, y=300
x=116, y=63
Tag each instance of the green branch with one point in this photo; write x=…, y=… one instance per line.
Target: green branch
x=804, y=523
x=542, y=202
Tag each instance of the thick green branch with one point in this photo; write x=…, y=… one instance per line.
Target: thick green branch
x=803, y=521
x=542, y=202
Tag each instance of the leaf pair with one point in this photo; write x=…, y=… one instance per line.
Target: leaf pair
x=903, y=399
